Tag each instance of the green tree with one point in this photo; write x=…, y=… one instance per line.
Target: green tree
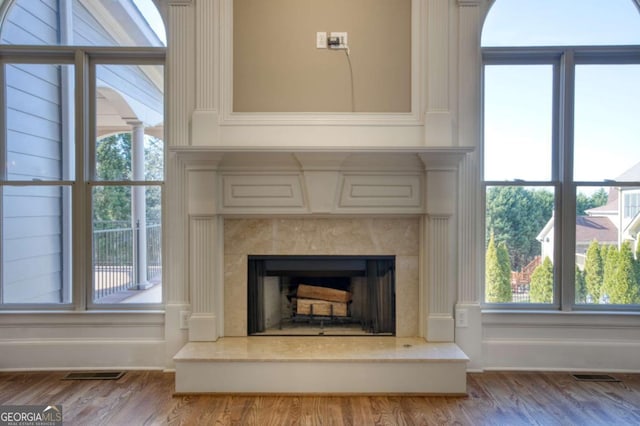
x=581, y=286
x=112, y=204
x=497, y=274
x=515, y=215
x=542, y=283
x=625, y=290
x=637, y=262
x=610, y=266
x=585, y=202
x=593, y=271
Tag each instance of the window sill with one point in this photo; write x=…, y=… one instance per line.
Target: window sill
x=543, y=318
x=74, y=318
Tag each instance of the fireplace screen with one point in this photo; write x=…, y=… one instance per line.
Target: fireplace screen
x=321, y=295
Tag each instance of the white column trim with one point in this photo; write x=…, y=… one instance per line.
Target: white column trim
x=441, y=251
x=179, y=69
x=204, y=121
x=439, y=115
x=203, y=322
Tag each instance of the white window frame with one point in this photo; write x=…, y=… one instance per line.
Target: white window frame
x=84, y=60
x=564, y=60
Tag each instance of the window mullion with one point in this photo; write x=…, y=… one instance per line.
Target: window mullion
x=567, y=205
x=81, y=236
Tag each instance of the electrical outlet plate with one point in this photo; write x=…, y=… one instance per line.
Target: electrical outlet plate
x=184, y=320
x=462, y=318
x=344, y=42
x=321, y=40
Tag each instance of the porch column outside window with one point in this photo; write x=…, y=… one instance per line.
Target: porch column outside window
x=138, y=205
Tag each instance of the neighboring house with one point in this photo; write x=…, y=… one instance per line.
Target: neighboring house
x=604, y=224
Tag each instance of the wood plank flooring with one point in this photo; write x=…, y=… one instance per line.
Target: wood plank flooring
x=495, y=398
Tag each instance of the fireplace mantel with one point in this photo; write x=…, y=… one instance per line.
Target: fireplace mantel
x=329, y=156
x=321, y=182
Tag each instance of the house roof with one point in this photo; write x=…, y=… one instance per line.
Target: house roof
x=632, y=174
x=590, y=228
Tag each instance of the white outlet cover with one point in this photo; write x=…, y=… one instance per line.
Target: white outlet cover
x=321, y=40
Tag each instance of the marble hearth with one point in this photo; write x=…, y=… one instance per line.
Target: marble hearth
x=308, y=202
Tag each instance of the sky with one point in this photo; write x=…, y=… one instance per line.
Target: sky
x=518, y=98
x=150, y=12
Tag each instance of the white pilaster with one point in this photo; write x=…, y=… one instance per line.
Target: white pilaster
x=440, y=244
x=469, y=64
x=180, y=71
x=180, y=102
x=438, y=117
x=203, y=245
x=471, y=232
x=203, y=322
x=204, y=123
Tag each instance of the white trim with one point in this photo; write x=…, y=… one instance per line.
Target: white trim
x=74, y=354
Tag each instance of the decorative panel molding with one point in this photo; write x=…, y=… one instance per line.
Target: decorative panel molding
x=262, y=191
x=383, y=190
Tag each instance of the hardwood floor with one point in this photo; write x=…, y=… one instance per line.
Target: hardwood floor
x=495, y=398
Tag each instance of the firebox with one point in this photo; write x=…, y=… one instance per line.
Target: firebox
x=321, y=295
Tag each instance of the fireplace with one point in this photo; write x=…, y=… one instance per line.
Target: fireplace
x=348, y=204
x=321, y=295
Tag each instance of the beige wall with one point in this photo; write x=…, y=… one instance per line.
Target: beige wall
x=277, y=67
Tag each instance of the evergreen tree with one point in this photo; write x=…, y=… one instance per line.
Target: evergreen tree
x=504, y=261
x=610, y=262
x=542, y=282
x=637, y=261
x=581, y=286
x=593, y=271
x=516, y=215
x=626, y=290
x=585, y=202
x=497, y=274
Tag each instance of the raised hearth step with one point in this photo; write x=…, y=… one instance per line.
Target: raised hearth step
x=321, y=365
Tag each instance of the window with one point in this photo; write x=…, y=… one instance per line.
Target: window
x=561, y=154
x=81, y=155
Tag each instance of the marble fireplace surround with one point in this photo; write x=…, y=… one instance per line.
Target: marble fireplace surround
x=315, y=201
x=340, y=236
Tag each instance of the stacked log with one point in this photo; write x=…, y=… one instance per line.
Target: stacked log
x=322, y=301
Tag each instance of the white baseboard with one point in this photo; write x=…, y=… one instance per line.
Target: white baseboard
x=62, y=354
x=561, y=355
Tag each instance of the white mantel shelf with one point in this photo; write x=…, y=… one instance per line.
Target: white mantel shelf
x=452, y=152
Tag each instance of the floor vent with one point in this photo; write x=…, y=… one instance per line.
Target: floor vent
x=594, y=378
x=94, y=375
